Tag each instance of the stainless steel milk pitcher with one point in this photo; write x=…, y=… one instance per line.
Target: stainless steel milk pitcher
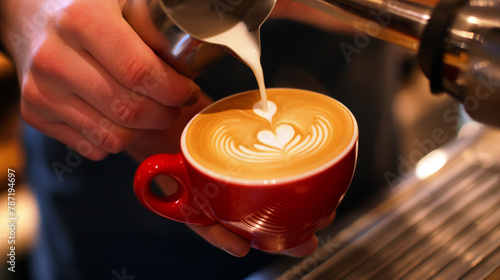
x=186, y=54
x=166, y=26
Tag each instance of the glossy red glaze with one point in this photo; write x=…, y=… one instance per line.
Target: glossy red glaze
x=273, y=216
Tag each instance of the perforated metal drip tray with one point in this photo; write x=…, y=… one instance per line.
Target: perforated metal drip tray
x=446, y=226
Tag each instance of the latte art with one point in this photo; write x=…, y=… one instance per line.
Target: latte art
x=301, y=131
x=276, y=145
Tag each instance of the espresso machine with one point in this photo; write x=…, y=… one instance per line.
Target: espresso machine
x=457, y=42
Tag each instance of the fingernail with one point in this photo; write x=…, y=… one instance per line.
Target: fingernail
x=193, y=96
x=231, y=252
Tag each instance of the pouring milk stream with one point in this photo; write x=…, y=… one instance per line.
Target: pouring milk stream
x=247, y=48
x=202, y=22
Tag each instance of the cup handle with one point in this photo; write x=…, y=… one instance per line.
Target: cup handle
x=180, y=206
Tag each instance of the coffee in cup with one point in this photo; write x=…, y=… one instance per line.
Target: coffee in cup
x=299, y=133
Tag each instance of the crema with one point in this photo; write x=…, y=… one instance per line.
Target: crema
x=300, y=131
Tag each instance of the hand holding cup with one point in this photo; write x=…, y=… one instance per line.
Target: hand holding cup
x=271, y=177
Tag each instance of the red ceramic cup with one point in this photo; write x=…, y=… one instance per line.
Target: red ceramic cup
x=272, y=214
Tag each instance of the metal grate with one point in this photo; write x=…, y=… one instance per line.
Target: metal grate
x=446, y=226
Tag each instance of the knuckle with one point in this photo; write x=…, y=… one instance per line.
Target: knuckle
x=27, y=114
x=30, y=94
x=46, y=60
x=126, y=111
x=42, y=57
x=73, y=19
x=113, y=143
x=97, y=155
x=134, y=71
x=104, y=135
x=90, y=151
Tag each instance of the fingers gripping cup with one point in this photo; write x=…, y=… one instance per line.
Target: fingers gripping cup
x=270, y=176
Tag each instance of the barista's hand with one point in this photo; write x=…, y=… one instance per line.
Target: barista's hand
x=87, y=79
x=237, y=246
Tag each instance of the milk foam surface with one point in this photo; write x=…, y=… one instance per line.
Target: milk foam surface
x=299, y=132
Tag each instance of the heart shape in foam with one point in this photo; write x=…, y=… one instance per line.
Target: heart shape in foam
x=279, y=139
x=269, y=114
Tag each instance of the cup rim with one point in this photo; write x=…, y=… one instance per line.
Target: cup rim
x=265, y=182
